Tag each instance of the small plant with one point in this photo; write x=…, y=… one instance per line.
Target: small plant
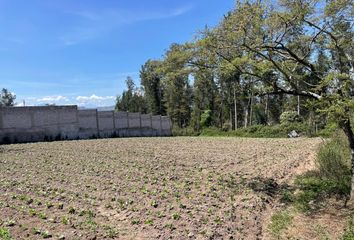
x=65, y=220
x=32, y=212
x=149, y=222
x=61, y=206
x=135, y=222
x=176, y=216
x=72, y=210
x=49, y=205
x=5, y=234
x=279, y=222
x=45, y=234
x=42, y=215
x=154, y=204
x=170, y=226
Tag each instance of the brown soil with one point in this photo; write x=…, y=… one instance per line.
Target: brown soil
x=147, y=188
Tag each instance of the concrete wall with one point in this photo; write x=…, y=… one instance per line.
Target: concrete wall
x=106, y=123
x=26, y=124
x=31, y=124
x=88, y=126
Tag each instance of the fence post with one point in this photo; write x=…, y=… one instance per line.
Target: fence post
x=98, y=125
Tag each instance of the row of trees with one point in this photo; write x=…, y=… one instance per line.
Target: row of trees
x=262, y=59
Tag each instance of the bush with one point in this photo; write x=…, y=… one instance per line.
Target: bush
x=333, y=159
x=332, y=178
x=258, y=131
x=189, y=131
x=206, y=118
x=289, y=117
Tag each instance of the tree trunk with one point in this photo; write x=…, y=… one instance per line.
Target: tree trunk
x=266, y=109
x=235, y=105
x=246, y=117
x=251, y=109
x=345, y=124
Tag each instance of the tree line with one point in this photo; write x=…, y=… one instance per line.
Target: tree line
x=262, y=59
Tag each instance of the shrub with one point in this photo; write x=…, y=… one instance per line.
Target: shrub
x=289, y=117
x=189, y=131
x=205, y=119
x=332, y=178
x=333, y=159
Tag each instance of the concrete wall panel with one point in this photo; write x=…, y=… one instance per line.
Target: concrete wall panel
x=145, y=120
x=121, y=120
x=14, y=118
x=134, y=120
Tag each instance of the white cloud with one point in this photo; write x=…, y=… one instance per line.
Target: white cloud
x=95, y=101
x=52, y=99
x=94, y=97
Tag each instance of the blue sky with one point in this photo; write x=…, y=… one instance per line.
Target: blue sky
x=81, y=51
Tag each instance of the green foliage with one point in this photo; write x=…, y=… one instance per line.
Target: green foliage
x=206, y=118
x=258, y=131
x=313, y=189
x=333, y=177
x=289, y=117
x=329, y=130
x=151, y=80
x=5, y=234
x=132, y=99
x=279, y=222
x=189, y=131
x=333, y=159
x=7, y=99
x=349, y=231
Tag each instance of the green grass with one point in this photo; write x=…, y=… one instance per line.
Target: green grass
x=349, y=231
x=5, y=234
x=280, y=221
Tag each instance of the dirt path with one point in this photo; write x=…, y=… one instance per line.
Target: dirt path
x=146, y=188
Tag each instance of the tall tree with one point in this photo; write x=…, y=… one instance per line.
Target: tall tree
x=151, y=80
x=178, y=92
x=7, y=99
x=132, y=99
